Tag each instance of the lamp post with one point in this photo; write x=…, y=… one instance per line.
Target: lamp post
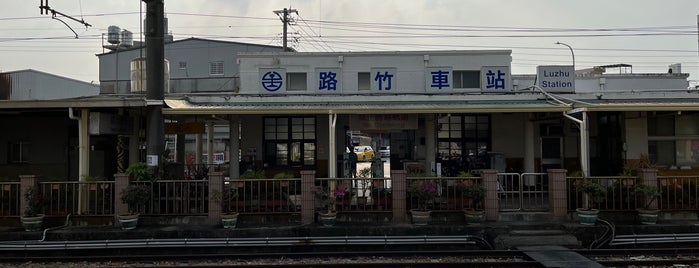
x=571, y=51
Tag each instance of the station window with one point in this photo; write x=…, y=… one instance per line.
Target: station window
x=363, y=81
x=463, y=139
x=216, y=68
x=18, y=152
x=290, y=141
x=467, y=79
x=673, y=140
x=296, y=81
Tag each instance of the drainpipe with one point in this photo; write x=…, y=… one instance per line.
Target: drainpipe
x=584, y=137
x=83, y=151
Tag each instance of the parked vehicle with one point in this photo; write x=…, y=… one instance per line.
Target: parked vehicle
x=385, y=151
x=364, y=153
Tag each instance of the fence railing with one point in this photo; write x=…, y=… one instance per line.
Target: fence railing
x=78, y=198
x=264, y=196
x=354, y=194
x=177, y=197
x=449, y=194
x=678, y=192
x=525, y=191
x=9, y=199
x=620, y=194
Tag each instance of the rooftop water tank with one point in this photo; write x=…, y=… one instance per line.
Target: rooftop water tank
x=126, y=38
x=113, y=34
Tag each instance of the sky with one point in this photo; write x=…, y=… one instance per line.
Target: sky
x=648, y=34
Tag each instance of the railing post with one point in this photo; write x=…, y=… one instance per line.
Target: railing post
x=649, y=176
x=121, y=181
x=26, y=182
x=215, y=185
x=491, y=205
x=308, y=178
x=399, y=184
x=558, y=193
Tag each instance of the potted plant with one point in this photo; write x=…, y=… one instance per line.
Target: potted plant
x=594, y=193
x=33, y=216
x=229, y=218
x=250, y=175
x=475, y=193
x=283, y=178
x=138, y=171
x=329, y=199
x=382, y=197
x=647, y=214
x=135, y=197
x=424, y=191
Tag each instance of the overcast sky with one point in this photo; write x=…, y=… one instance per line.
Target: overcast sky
x=650, y=35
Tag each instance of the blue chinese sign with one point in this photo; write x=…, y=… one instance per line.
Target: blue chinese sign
x=272, y=80
x=438, y=80
x=383, y=80
x=495, y=79
x=328, y=81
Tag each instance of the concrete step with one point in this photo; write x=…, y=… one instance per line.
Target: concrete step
x=523, y=217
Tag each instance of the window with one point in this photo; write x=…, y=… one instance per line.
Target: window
x=216, y=68
x=465, y=138
x=183, y=65
x=290, y=141
x=673, y=140
x=18, y=152
x=467, y=79
x=363, y=81
x=296, y=81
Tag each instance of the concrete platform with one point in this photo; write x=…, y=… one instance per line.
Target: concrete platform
x=556, y=256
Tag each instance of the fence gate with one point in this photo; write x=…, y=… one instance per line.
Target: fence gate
x=523, y=192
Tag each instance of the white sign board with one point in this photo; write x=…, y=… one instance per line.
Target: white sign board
x=152, y=160
x=556, y=78
x=495, y=79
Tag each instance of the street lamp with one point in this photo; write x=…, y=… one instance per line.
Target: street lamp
x=571, y=52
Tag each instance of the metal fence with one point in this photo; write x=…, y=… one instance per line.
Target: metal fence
x=78, y=198
x=620, y=194
x=354, y=194
x=262, y=196
x=523, y=192
x=449, y=195
x=678, y=192
x=177, y=197
x=9, y=199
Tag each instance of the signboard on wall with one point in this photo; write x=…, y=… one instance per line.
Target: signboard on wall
x=556, y=78
x=383, y=121
x=495, y=79
x=272, y=80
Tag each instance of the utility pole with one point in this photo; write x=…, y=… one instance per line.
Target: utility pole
x=286, y=20
x=155, y=76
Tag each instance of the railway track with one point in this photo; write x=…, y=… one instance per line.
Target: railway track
x=658, y=257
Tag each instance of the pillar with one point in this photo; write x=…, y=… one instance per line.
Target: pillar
x=234, y=156
x=26, y=182
x=399, y=184
x=529, y=166
x=308, y=178
x=558, y=193
x=215, y=185
x=121, y=181
x=210, y=143
x=199, y=149
x=649, y=176
x=492, y=203
x=430, y=143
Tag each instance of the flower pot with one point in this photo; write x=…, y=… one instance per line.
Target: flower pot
x=327, y=218
x=420, y=217
x=587, y=217
x=230, y=220
x=32, y=224
x=648, y=216
x=474, y=216
x=128, y=221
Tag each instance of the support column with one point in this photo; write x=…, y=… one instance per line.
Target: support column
x=234, y=156
x=25, y=183
x=121, y=181
x=210, y=143
x=199, y=149
x=649, y=176
x=558, y=194
x=215, y=185
x=492, y=203
x=84, y=157
x=181, y=148
x=308, y=178
x=585, y=145
x=332, y=150
x=529, y=141
x=399, y=184
x=430, y=143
